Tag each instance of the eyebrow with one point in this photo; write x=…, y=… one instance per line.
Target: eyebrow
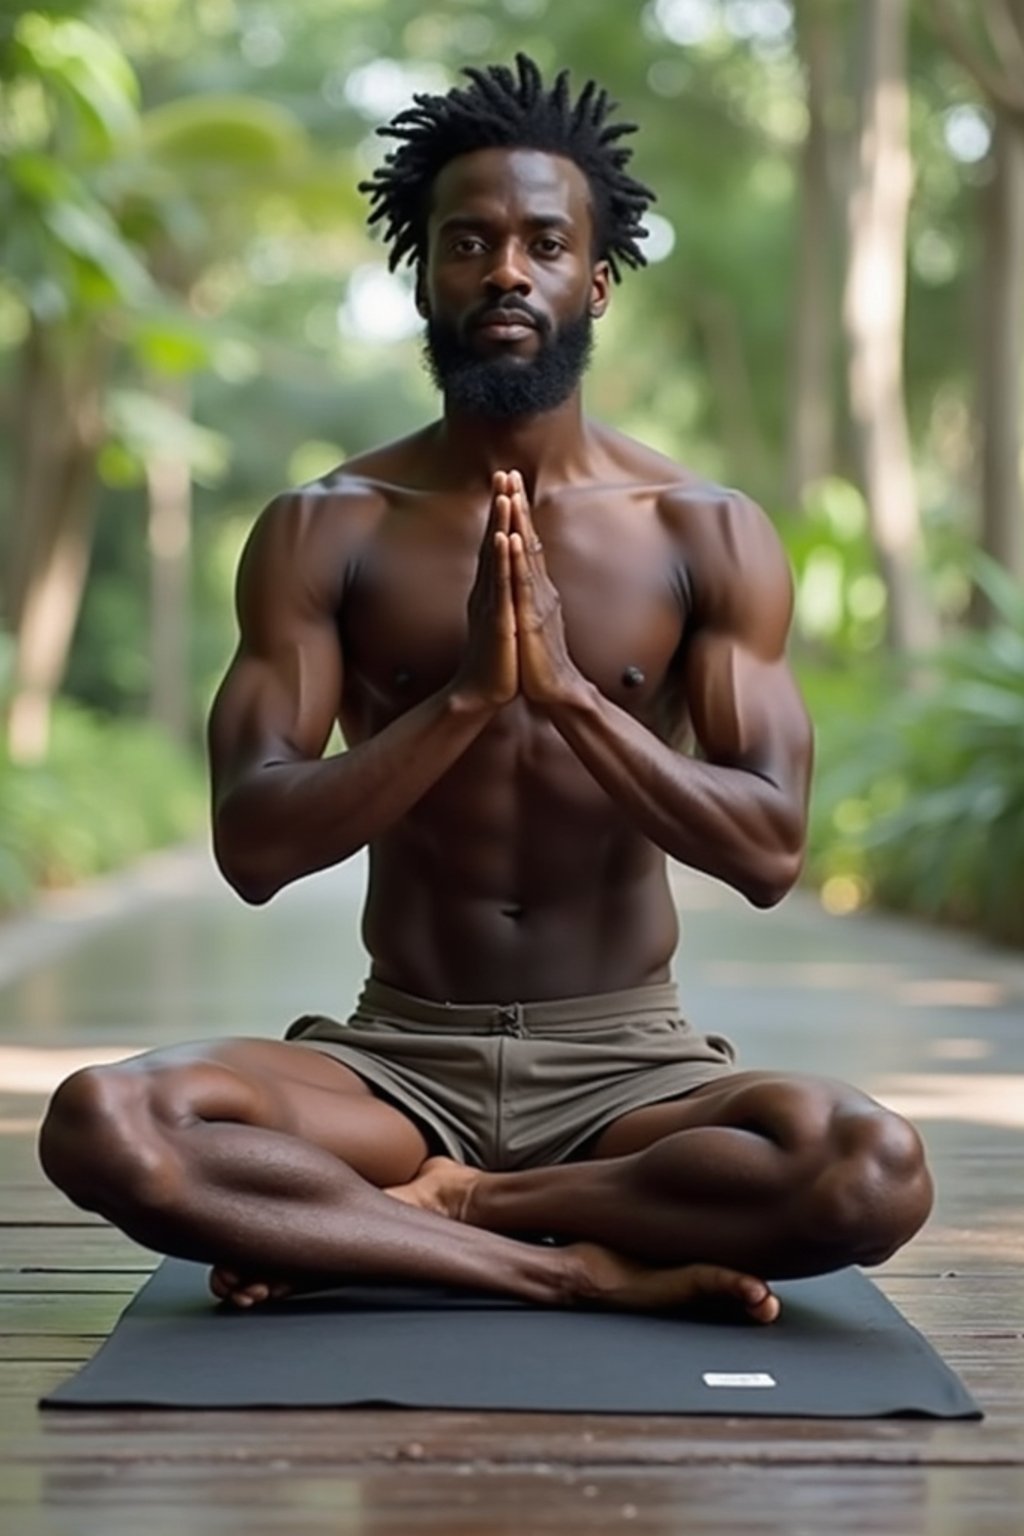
x=480, y=221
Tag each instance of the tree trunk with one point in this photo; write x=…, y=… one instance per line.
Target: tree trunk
x=734, y=392
x=811, y=412
x=873, y=313
x=169, y=484
x=53, y=521
x=1002, y=337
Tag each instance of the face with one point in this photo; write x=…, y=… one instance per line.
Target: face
x=510, y=289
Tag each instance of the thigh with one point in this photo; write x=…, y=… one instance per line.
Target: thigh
x=791, y=1109
x=282, y=1087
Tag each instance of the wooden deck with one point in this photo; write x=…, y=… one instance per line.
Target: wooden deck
x=930, y=1023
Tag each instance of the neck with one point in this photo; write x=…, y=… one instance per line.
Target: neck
x=548, y=449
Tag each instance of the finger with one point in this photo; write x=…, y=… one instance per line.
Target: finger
x=523, y=523
x=499, y=488
x=521, y=573
x=503, y=579
x=505, y=514
x=519, y=520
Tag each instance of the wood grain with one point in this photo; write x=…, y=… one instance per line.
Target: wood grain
x=65, y=1276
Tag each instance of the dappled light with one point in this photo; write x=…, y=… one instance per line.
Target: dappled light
x=26, y=1070
x=971, y=1098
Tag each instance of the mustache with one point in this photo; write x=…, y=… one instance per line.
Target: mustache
x=512, y=309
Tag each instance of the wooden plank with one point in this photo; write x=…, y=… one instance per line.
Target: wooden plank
x=58, y=1314
x=281, y=1501
x=92, y=1247
x=41, y=1205
x=78, y=1282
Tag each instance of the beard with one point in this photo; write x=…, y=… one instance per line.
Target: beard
x=502, y=387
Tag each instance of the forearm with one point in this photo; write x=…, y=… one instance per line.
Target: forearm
x=727, y=822
x=286, y=820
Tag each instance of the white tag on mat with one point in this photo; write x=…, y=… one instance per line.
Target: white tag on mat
x=739, y=1379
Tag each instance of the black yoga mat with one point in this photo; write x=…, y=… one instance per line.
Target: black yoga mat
x=839, y=1350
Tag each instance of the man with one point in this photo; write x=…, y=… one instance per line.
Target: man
x=518, y=616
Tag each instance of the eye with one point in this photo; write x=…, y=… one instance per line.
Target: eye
x=550, y=245
x=467, y=245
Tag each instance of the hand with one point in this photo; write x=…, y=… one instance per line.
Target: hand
x=547, y=673
x=489, y=674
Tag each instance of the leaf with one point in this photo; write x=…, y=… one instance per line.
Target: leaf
x=89, y=69
x=149, y=426
x=90, y=233
x=218, y=133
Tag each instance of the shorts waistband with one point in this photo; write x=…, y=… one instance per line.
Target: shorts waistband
x=377, y=1000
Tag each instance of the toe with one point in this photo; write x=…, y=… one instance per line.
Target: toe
x=758, y=1300
x=717, y=1283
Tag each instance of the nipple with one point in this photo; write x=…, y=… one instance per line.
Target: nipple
x=632, y=677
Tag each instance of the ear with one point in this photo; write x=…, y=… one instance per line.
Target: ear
x=600, y=289
x=422, y=305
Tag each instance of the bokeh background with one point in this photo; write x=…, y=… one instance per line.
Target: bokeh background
x=193, y=316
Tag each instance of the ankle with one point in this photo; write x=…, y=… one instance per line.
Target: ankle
x=575, y=1281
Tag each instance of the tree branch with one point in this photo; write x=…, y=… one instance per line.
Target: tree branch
x=997, y=84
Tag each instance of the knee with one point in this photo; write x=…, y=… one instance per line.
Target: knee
x=876, y=1191
x=99, y=1144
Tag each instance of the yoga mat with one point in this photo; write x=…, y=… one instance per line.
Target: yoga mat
x=839, y=1350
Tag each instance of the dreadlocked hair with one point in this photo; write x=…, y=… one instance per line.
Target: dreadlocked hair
x=499, y=110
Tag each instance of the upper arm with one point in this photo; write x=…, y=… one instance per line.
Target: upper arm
x=744, y=702
x=283, y=688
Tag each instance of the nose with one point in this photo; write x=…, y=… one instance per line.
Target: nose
x=509, y=271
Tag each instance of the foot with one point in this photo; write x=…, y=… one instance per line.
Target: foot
x=610, y=1279
x=441, y=1185
x=243, y=1291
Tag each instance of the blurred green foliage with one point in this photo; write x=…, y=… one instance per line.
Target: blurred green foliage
x=181, y=174
x=919, y=801
x=109, y=790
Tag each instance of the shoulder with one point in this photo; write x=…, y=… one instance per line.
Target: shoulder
x=737, y=569
x=311, y=531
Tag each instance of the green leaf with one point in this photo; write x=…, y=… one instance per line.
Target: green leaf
x=90, y=70
x=90, y=233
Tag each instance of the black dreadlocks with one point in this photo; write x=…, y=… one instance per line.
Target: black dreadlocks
x=499, y=111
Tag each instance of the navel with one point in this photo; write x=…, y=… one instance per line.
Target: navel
x=632, y=677
x=402, y=677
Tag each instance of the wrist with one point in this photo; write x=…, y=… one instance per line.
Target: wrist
x=574, y=695
x=467, y=703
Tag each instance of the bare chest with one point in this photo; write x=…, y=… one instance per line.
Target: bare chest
x=405, y=621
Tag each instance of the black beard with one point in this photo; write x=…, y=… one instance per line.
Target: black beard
x=503, y=387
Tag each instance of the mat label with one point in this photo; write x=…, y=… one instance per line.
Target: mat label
x=739, y=1379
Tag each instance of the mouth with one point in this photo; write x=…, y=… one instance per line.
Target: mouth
x=507, y=325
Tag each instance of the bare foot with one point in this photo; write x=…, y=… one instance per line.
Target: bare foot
x=243, y=1291
x=441, y=1185
x=613, y=1280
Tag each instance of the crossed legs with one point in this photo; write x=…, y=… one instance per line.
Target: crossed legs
x=269, y=1160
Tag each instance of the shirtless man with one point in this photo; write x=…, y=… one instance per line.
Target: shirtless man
x=520, y=618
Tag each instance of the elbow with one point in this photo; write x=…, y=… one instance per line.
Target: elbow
x=252, y=894
x=774, y=880
x=240, y=872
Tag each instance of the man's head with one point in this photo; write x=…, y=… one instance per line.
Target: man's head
x=513, y=203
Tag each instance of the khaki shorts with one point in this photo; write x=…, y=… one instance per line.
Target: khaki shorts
x=519, y=1085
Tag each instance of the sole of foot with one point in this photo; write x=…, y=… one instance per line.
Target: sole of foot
x=606, y=1278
